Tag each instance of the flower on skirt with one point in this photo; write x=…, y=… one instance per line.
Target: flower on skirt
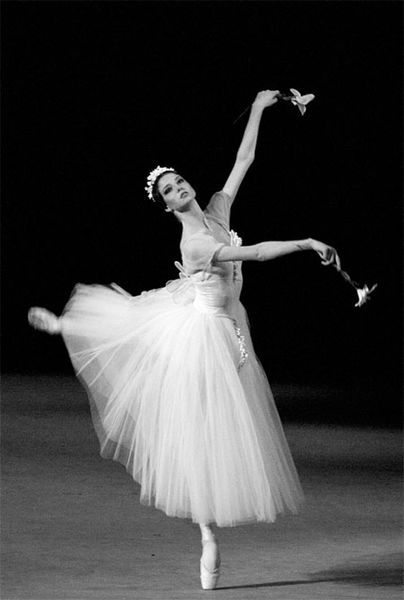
x=241, y=343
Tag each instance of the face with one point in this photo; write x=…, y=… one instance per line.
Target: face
x=175, y=191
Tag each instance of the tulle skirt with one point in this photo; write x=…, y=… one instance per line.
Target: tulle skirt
x=172, y=401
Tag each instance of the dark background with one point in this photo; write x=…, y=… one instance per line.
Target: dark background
x=96, y=94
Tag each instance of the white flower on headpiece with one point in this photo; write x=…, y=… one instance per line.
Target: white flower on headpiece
x=364, y=294
x=301, y=101
x=151, y=179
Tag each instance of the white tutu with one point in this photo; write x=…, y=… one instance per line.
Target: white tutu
x=175, y=398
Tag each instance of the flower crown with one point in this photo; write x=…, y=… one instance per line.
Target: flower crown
x=151, y=179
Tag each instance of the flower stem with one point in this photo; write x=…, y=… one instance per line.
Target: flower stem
x=348, y=279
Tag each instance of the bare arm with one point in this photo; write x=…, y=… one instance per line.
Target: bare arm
x=270, y=250
x=246, y=151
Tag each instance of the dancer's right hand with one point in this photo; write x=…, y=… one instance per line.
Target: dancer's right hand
x=266, y=98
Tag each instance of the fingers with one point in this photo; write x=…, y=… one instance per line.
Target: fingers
x=263, y=92
x=332, y=259
x=268, y=97
x=329, y=256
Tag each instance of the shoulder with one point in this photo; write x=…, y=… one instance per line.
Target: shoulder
x=197, y=244
x=220, y=197
x=200, y=249
x=219, y=206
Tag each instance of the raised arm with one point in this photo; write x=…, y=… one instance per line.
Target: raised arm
x=246, y=152
x=270, y=250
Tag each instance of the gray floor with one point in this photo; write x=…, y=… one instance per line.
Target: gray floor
x=73, y=527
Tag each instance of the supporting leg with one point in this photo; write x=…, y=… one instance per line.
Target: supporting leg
x=206, y=532
x=210, y=560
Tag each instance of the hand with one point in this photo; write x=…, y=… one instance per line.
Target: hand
x=266, y=98
x=327, y=254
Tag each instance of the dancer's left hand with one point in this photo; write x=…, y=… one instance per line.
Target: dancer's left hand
x=328, y=254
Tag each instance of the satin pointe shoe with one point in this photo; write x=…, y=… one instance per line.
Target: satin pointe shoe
x=210, y=565
x=44, y=320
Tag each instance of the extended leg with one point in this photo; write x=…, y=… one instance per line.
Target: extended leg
x=44, y=320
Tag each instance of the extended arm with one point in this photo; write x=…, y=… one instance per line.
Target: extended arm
x=270, y=250
x=246, y=152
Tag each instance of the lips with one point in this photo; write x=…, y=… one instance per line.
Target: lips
x=183, y=194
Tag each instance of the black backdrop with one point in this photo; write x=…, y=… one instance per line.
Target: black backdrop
x=95, y=94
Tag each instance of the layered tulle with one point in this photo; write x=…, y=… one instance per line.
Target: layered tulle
x=171, y=401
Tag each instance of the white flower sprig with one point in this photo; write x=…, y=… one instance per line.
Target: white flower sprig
x=296, y=99
x=301, y=101
x=362, y=291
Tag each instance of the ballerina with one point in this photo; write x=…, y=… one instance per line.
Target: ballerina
x=177, y=394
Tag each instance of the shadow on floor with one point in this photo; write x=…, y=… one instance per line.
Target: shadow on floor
x=385, y=570
x=373, y=570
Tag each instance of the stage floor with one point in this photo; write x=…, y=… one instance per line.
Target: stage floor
x=73, y=528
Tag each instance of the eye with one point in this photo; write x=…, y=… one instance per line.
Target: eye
x=167, y=191
x=180, y=180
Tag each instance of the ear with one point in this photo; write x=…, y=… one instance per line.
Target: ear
x=168, y=209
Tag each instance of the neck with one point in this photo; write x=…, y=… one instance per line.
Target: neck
x=192, y=218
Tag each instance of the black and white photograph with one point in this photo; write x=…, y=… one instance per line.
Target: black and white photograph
x=202, y=354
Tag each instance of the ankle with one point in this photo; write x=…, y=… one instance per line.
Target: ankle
x=207, y=533
x=208, y=539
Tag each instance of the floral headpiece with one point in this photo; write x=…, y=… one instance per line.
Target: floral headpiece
x=151, y=179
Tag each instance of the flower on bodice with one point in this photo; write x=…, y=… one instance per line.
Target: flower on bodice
x=235, y=239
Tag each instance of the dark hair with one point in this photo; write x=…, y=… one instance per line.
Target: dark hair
x=157, y=197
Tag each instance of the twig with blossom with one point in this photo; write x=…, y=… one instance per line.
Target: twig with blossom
x=301, y=102
x=362, y=291
x=296, y=99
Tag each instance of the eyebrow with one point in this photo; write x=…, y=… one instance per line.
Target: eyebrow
x=176, y=179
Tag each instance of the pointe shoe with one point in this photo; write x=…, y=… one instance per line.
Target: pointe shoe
x=210, y=557
x=44, y=320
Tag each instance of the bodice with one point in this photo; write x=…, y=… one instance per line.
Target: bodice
x=216, y=285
